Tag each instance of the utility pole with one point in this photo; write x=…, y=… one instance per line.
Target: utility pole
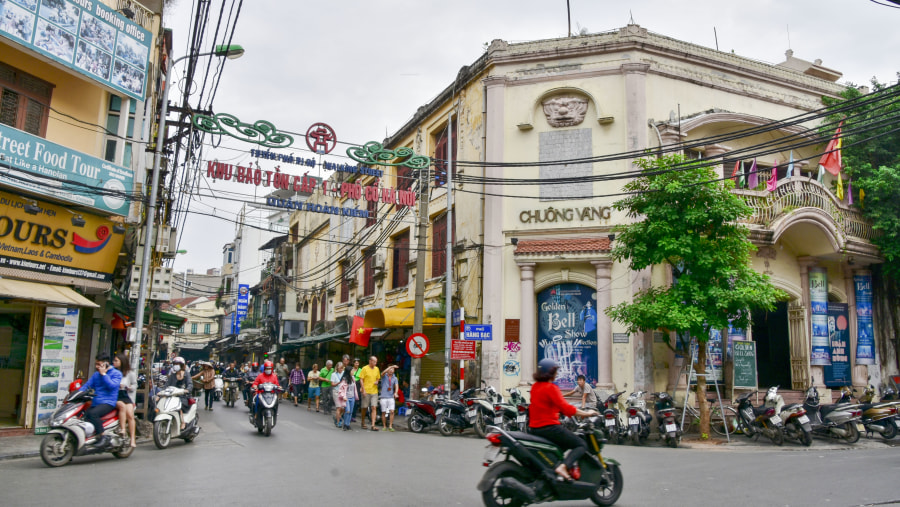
x=448, y=297
x=421, y=253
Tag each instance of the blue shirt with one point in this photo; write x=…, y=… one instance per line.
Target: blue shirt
x=106, y=387
x=388, y=384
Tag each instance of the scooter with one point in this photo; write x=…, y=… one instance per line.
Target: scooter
x=665, y=418
x=219, y=385
x=506, y=412
x=264, y=413
x=840, y=421
x=484, y=410
x=762, y=420
x=456, y=416
x=168, y=418
x=71, y=435
x=231, y=389
x=612, y=425
x=421, y=414
x=796, y=422
x=638, y=418
x=878, y=418
x=521, y=469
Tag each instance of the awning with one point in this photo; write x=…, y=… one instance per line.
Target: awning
x=168, y=321
x=274, y=242
x=312, y=340
x=397, y=317
x=47, y=293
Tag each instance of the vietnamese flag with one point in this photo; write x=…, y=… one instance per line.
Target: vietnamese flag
x=831, y=160
x=359, y=334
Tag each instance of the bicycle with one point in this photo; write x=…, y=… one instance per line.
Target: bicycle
x=717, y=422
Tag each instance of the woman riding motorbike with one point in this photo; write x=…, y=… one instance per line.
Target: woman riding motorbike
x=181, y=378
x=546, y=404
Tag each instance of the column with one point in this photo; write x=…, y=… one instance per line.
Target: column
x=527, y=316
x=859, y=373
x=817, y=373
x=635, y=104
x=604, y=324
x=716, y=151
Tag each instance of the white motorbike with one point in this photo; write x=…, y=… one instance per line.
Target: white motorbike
x=796, y=423
x=167, y=423
x=71, y=435
x=264, y=413
x=220, y=386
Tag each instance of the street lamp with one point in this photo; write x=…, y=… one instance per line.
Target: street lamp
x=227, y=51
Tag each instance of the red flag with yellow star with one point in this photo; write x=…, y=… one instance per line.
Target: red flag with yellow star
x=360, y=334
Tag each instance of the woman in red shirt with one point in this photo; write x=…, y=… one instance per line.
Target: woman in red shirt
x=546, y=404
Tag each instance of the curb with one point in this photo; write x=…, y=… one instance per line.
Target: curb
x=28, y=454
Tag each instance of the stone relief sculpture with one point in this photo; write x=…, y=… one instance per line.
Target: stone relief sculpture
x=565, y=110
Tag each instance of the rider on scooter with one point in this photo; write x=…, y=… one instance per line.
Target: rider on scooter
x=180, y=377
x=105, y=383
x=249, y=376
x=268, y=375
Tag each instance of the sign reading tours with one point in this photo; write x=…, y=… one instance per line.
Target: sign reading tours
x=86, y=36
x=838, y=374
x=567, y=332
x=865, y=330
x=818, y=297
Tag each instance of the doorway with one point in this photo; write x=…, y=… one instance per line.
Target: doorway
x=773, y=346
x=14, y=327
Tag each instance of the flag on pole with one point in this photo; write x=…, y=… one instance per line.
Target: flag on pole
x=359, y=334
x=821, y=177
x=850, y=191
x=840, y=188
x=790, y=168
x=742, y=181
x=735, y=172
x=773, y=180
x=831, y=160
x=753, y=179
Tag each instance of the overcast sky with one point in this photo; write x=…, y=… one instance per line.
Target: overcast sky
x=364, y=67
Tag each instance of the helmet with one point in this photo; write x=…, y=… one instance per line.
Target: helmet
x=268, y=366
x=178, y=360
x=546, y=366
x=255, y=365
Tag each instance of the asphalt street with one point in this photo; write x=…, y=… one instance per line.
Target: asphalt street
x=307, y=461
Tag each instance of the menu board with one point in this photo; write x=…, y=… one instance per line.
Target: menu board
x=744, y=355
x=84, y=35
x=57, y=363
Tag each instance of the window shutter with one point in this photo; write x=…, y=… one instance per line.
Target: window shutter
x=369, y=285
x=324, y=297
x=313, y=315
x=439, y=247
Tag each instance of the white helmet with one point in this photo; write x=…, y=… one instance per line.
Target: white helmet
x=179, y=360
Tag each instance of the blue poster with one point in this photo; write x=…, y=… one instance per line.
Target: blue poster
x=243, y=302
x=818, y=297
x=734, y=334
x=838, y=373
x=865, y=330
x=567, y=331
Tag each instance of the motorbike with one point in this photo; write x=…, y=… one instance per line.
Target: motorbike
x=421, y=415
x=638, y=418
x=878, y=418
x=613, y=429
x=665, y=419
x=231, y=390
x=840, y=421
x=219, y=385
x=168, y=418
x=522, y=415
x=796, y=422
x=762, y=420
x=484, y=410
x=506, y=412
x=456, y=415
x=71, y=435
x=521, y=469
x=264, y=413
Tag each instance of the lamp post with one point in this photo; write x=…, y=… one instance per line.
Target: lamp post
x=231, y=52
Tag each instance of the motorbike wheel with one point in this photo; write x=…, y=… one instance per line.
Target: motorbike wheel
x=778, y=436
x=672, y=441
x=124, y=453
x=268, y=426
x=607, y=494
x=443, y=427
x=852, y=433
x=805, y=437
x=57, y=450
x=890, y=429
x=416, y=425
x=480, y=425
x=635, y=438
x=161, y=434
x=497, y=496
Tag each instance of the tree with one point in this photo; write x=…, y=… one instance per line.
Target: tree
x=690, y=225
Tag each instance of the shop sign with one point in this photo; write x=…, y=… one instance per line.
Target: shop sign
x=838, y=373
x=36, y=165
x=477, y=332
x=557, y=215
x=240, y=313
x=865, y=330
x=57, y=363
x=48, y=242
x=461, y=350
x=818, y=297
x=621, y=337
x=567, y=331
x=84, y=35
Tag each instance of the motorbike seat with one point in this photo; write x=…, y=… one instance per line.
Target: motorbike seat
x=528, y=437
x=760, y=410
x=827, y=409
x=866, y=406
x=792, y=406
x=112, y=414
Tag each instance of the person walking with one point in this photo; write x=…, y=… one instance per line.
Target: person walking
x=208, y=376
x=314, y=391
x=325, y=384
x=355, y=371
x=348, y=391
x=387, y=396
x=297, y=380
x=283, y=371
x=369, y=376
x=339, y=403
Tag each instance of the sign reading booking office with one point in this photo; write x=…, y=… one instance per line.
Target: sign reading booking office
x=557, y=215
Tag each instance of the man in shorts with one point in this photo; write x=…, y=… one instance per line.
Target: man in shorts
x=369, y=376
x=386, y=396
x=325, y=384
x=584, y=393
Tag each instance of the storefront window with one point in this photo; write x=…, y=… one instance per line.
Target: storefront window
x=567, y=331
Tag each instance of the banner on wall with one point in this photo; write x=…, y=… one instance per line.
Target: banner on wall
x=57, y=363
x=865, y=330
x=838, y=374
x=567, y=331
x=714, y=359
x=818, y=297
x=734, y=334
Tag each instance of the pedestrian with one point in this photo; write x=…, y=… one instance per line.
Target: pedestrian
x=125, y=402
x=208, y=377
x=355, y=371
x=314, y=390
x=283, y=371
x=297, y=380
x=369, y=376
x=585, y=394
x=325, y=383
x=348, y=391
x=454, y=391
x=386, y=398
x=339, y=404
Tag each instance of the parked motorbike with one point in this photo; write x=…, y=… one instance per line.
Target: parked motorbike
x=614, y=430
x=522, y=415
x=796, y=422
x=840, y=421
x=878, y=418
x=521, y=469
x=71, y=435
x=665, y=418
x=421, y=415
x=484, y=410
x=456, y=415
x=638, y=428
x=168, y=419
x=231, y=389
x=264, y=413
x=219, y=385
x=506, y=412
x=762, y=420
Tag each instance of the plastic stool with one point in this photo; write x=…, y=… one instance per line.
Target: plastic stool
x=401, y=411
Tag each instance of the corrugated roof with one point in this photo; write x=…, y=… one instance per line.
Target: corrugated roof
x=562, y=245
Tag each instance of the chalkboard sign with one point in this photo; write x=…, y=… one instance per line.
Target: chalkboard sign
x=744, y=364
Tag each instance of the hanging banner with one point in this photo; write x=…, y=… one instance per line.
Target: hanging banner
x=567, y=332
x=714, y=359
x=734, y=334
x=57, y=363
x=818, y=297
x=838, y=374
x=865, y=330
x=243, y=302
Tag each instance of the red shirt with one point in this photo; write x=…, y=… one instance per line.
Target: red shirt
x=262, y=378
x=546, y=403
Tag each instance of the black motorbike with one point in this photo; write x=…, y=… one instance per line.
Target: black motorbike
x=665, y=418
x=521, y=470
x=612, y=425
x=231, y=390
x=762, y=420
x=264, y=413
x=422, y=413
x=456, y=416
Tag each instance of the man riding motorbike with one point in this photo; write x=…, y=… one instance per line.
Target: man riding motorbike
x=231, y=371
x=105, y=383
x=543, y=416
x=249, y=377
x=268, y=375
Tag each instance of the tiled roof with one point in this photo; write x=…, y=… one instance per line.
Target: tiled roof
x=562, y=245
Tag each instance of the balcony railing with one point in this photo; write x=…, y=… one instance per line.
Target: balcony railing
x=799, y=192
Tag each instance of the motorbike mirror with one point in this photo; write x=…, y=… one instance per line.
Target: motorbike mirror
x=424, y=389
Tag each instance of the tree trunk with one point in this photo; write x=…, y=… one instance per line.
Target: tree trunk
x=700, y=368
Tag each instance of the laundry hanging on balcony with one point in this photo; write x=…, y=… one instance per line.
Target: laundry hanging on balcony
x=753, y=179
x=831, y=160
x=773, y=180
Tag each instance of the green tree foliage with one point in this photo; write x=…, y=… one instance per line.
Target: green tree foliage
x=683, y=222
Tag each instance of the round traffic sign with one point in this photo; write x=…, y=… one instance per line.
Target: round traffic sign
x=417, y=345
